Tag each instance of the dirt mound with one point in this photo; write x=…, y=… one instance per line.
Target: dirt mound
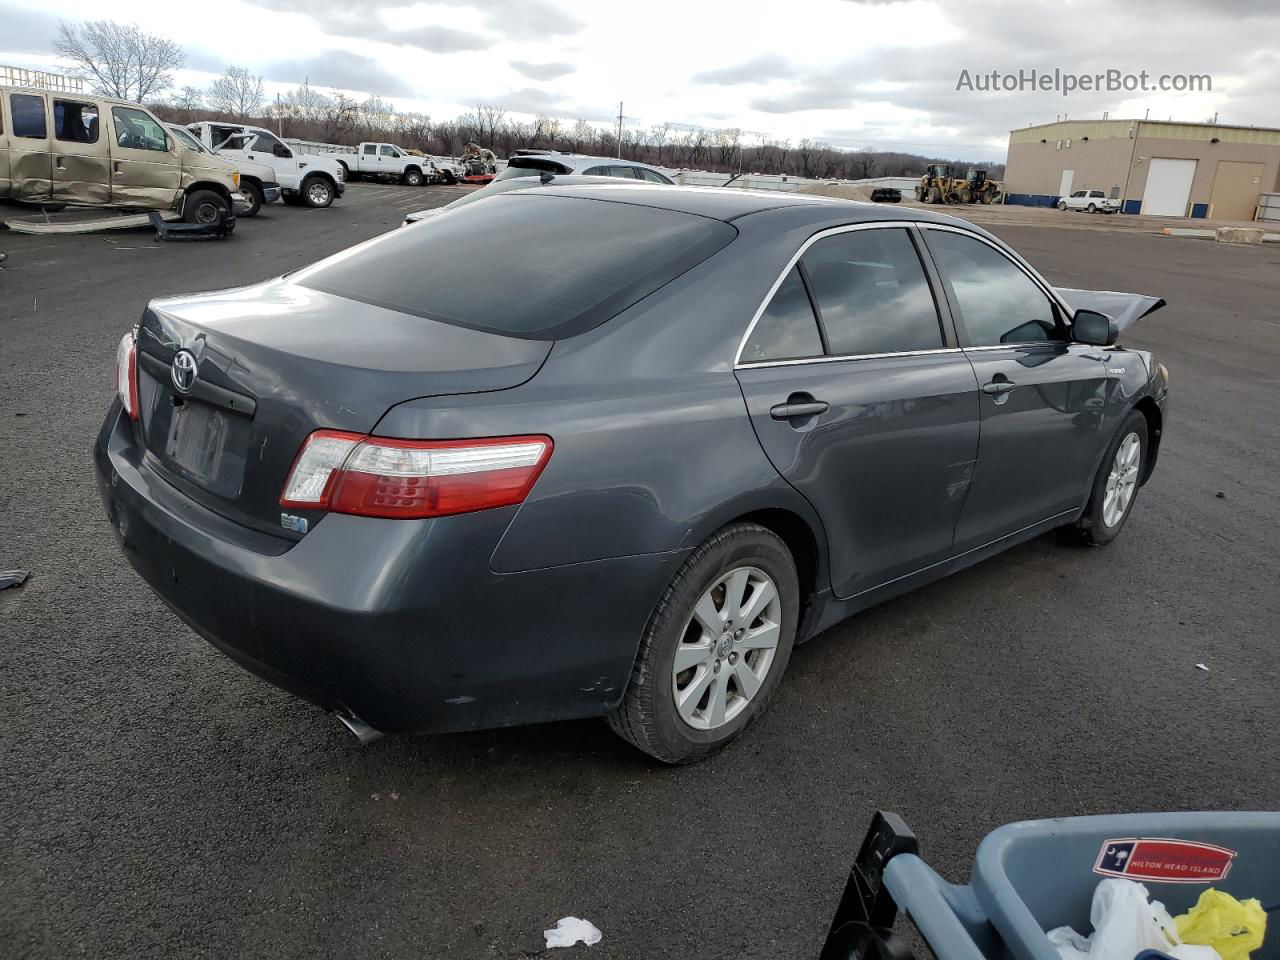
x=841, y=191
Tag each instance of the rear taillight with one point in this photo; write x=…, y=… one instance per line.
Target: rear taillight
x=386, y=477
x=127, y=373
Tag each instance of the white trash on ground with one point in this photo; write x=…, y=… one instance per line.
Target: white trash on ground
x=1125, y=923
x=569, y=930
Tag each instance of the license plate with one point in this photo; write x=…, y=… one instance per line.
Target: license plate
x=197, y=441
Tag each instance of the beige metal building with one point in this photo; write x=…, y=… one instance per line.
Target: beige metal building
x=1202, y=170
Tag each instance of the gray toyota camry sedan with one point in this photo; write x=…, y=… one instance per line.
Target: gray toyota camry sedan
x=610, y=451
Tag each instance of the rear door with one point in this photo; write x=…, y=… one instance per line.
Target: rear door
x=864, y=402
x=145, y=167
x=81, y=153
x=1042, y=396
x=30, y=147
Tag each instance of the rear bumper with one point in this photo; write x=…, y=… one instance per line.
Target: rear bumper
x=400, y=623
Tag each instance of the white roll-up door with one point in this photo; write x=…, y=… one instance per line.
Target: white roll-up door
x=1168, y=187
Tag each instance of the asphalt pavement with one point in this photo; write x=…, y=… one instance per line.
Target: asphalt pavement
x=158, y=801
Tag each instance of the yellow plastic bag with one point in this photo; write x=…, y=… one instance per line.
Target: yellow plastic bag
x=1232, y=927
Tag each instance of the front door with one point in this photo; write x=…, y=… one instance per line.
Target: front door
x=146, y=168
x=30, y=147
x=265, y=148
x=81, y=153
x=864, y=404
x=1041, y=398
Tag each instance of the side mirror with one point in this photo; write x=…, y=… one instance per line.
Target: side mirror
x=1094, y=328
x=280, y=150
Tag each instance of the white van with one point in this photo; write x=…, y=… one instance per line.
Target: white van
x=98, y=151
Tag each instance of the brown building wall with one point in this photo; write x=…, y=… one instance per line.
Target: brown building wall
x=1110, y=158
x=1036, y=168
x=1206, y=156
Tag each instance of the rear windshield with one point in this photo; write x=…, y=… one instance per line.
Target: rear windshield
x=523, y=264
x=530, y=167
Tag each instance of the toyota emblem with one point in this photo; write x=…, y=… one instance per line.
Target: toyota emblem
x=184, y=370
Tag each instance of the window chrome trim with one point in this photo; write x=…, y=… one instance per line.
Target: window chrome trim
x=795, y=258
x=847, y=357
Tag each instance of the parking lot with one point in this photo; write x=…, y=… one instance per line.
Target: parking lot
x=159, y=801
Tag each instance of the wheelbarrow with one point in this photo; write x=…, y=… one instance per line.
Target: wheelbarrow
x=1033, y=876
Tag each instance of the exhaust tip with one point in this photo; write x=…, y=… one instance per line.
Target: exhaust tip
x=363, y=732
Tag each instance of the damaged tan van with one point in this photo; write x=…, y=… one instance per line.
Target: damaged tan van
x=88, y=150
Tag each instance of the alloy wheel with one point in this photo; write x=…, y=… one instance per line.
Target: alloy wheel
x=726, y=648
x=318, y=193
x=1122, y=481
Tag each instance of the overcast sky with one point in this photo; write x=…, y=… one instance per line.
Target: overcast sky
x=856, y=74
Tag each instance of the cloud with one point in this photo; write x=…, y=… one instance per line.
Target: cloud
x=436, y=39
x=531, y=100
x=346, y=71
x=760, y=69
x=542, y=71
x=27, y=31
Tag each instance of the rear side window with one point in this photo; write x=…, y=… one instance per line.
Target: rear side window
x=531, y=167
x=28, y=116
x=787, y=330
x=370, y=149
x=75, y=122
x=871, y=293
x=566, y=264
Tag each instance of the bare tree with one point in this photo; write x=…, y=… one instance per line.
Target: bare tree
x=305, y=102
x=119, y=60
x=188, y=98
x=659, y=134
x=337, y=118
x=237, y=92
x=864, y=165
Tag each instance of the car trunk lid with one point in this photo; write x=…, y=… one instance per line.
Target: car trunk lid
x=276, y=361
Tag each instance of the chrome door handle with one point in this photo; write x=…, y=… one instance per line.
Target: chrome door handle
x=998, y=387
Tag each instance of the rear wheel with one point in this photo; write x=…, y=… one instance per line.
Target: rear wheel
x=1115, y=488
x=715, y=647
x=317, y=192
x=253, y=197
x=205, y=206
x=413, y=177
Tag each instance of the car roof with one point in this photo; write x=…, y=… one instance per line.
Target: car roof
x=728, y=204
x=576, y=160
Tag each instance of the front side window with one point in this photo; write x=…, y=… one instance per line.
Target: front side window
x=387, y=151
x=871, y=293
x=653, y=176
x=75, y=122
x=266, y=143
x=998, y=302
x=595, y=172
x=136, y=130
x=788, y=329
x=28, y=116
x=626, y=173
x=1096, y=193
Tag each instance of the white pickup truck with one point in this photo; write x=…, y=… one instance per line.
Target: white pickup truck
x=304, y=178
x=1094, y=201
x=387, y=161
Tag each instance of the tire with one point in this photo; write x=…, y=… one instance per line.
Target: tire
x=1100, y=524
x=253, y=194
x=935, y=195
x=964, y=196
x=317, y=192
x=413, y=177
x=204, y=206
x=1062, y=205
x=450, y=179
x=346, y=172
x=1093, y=208
x=750, y=556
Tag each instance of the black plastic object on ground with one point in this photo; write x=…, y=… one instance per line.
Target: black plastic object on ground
x=13, y=578
x=192, y=231
x=862, y=928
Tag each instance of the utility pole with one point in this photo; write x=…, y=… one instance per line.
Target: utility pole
x=619, y=142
